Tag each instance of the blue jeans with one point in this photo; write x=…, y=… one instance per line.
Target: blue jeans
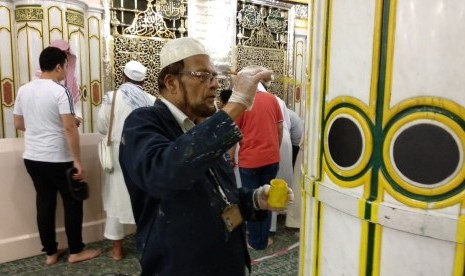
x=253, y=179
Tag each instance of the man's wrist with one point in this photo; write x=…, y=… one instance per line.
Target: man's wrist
x=241, y=98
x=234, y=110
x=256, y=206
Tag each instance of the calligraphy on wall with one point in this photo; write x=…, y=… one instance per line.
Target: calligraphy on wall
x=262, y=40
x=140, y=29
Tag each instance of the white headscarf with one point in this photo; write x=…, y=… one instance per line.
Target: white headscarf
x=134, y=95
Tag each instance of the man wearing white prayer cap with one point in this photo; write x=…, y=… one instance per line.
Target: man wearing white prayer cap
x=135, y=71
x=189, y=214
x=179, y=49
x=117, y=204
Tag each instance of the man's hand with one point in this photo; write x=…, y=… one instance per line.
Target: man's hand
x=78, y=121
x=262, y=199
x=79, y=176
x=245, y=84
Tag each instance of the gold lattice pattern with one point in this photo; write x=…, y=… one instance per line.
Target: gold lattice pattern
x=260, y=26
x=144, y=50
x=141, y=31
x=273, y=59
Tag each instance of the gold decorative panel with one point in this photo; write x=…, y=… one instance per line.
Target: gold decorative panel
x=261, y=26
x=273, y=59
x=7, y=92
x=27, y=27
x=163, y=18
x=144, y=50
x=171, y=9
x=149, y=23
x=75, y=18
x=140, y=29
x=262, y=39
x=26, y=13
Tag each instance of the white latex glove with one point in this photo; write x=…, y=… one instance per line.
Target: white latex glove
x=245, y=84
x=263, y=199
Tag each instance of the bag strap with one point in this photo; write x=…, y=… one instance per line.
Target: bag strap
x=112, y=115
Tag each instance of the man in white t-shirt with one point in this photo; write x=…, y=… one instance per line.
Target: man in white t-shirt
x=44, y=111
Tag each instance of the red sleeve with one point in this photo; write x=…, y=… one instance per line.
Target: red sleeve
x=239, y=121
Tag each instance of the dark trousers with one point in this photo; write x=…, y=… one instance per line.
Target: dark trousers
x=49, y=179
x=253, y=179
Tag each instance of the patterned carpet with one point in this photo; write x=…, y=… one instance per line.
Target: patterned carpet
x=282, y=259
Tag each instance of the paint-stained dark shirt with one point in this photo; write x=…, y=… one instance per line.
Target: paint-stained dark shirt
x=174, y=197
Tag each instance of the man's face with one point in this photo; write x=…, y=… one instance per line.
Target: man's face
x=197, y=88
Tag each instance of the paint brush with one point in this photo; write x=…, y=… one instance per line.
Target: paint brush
x=274, y=77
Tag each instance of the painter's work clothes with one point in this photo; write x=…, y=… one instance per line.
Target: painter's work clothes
x=176, y=205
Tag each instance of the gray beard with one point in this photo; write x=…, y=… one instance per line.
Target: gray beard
x=199, y=110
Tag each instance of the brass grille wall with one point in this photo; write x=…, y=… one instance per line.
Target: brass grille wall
x=144, y=50
x=261, y=37
x=273, y=59
x=140, y=29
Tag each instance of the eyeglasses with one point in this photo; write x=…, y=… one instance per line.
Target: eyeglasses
x=202, y=76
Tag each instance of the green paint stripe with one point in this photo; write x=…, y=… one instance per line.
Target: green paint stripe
x=425, y=108
x=370, y=248
x=325, y=72
x=367, y=215
x=399, y=116
x=425, y=198
x=371, y=129
x=378, y=135
x=349, y=178
x=354, y=107
x=314, y=189
x=317, y=242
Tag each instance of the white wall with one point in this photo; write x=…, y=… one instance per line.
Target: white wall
x=19, y=236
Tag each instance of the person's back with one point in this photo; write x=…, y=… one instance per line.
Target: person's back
x=116, y=202
x=43, y=100
x=44, y=110
x=260, y=145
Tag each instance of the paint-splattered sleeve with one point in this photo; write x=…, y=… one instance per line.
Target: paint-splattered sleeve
x=157, y=157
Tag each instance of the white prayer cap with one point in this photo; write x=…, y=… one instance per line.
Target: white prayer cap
x=179, y=49
x=135, y=70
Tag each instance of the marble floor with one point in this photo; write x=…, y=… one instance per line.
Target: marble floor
x=282, y=258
